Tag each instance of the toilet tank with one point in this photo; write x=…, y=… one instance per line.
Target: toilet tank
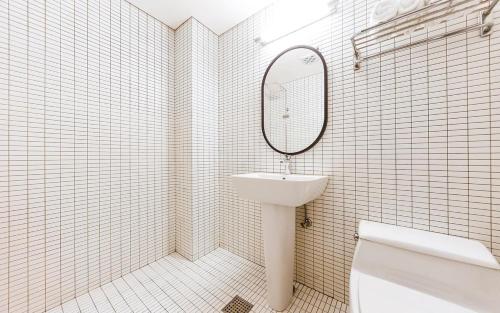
x=455, y=269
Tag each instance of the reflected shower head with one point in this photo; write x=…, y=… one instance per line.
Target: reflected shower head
x=273, y=91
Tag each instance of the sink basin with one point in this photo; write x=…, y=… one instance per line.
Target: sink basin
x=289, y=190
x=279, y=195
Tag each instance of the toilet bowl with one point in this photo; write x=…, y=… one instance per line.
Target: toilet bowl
x=402, y=270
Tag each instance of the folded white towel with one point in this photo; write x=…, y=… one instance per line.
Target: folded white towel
x=384, y=10
x=406, y=6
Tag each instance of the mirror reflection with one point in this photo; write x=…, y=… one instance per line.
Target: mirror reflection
x=293, y=100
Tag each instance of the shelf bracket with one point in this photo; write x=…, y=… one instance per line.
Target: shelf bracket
x=357, y=56
x=487, y=27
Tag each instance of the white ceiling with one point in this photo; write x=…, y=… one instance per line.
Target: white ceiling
x=218, y=15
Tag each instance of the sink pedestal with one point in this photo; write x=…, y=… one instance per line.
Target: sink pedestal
x=279, y=245
x=279, y=195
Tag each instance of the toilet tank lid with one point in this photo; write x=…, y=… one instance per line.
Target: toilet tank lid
x=439, y=245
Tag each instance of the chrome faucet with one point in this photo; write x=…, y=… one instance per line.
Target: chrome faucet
x=286, y=162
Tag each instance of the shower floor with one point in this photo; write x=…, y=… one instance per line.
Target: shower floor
x=174, y=284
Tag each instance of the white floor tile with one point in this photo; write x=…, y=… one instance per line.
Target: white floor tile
x=174, y=284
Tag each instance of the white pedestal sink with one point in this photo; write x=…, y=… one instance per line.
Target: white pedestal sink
x=279, y=195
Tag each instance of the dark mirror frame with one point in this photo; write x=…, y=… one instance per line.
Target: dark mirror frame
x=325, y=121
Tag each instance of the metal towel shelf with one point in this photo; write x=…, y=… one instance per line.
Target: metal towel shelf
x=437, y=12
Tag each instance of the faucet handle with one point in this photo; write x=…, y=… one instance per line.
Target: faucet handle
x=286, y=161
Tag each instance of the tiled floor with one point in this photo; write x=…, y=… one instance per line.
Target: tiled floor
x=174, y=284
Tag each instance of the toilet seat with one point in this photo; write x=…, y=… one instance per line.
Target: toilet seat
x=393, y=298
x=402, y=270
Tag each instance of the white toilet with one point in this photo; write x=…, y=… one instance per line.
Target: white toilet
x=402, y=270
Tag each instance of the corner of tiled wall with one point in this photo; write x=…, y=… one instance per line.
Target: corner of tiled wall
x=196, y=116
x=183, y=146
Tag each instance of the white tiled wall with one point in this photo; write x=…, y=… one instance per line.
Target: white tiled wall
x=412, y=140
x=183, y=144
x=196, y=117
x=86, y=137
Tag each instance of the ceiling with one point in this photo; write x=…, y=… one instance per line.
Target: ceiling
x=218, y=15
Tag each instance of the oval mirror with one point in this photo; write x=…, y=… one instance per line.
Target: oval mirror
x=294, y=100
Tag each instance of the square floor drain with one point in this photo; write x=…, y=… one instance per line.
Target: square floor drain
x=238, y=305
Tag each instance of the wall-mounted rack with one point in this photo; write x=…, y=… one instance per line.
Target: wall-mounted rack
x=437, y=12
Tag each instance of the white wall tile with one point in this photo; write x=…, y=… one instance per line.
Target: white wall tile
x=196, y=133
x=87, y=187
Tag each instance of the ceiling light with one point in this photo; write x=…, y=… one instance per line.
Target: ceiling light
x=287, y=16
